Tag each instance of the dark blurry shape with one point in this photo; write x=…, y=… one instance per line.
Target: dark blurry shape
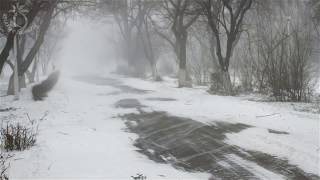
x=5, y=5
x=7, y=109
x=139, y=177
x=41, y=90
x=21, y=21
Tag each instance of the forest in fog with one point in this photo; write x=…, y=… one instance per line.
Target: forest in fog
x=191, y=89
x=270, y=47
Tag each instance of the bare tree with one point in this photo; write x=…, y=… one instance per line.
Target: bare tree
x=41, y=11
x=127, y=14
x=200, y=64
x=146, y=34
x=34, y=7
x=182, y=14
x=23, y=64
x=225, y=18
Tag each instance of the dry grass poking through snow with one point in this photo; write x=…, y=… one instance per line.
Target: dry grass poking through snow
x=18, y=137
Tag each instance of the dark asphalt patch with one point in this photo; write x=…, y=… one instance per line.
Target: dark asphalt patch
x=194, y=146
x=8, y=109
x=186, y=144
x=128, y=103
x=160, y=99
x=277, y=132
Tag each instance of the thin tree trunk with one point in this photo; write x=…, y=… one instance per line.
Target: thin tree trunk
x=31, y=75
x=21, y=40
x=22, y=83
x=226, y=81
x=152, y=58
x=182, y=74
x=148, y=51
x=6, y=50
x=10, y=90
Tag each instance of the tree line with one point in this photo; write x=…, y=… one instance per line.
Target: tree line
x=233, y=46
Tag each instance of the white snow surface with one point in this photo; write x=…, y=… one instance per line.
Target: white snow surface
x=82, y=136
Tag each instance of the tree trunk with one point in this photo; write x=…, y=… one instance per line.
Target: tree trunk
x=20, y=41
x=182, y=74
x=152, y=58
x=44, y=68
x=22, y=84
x=149, y=53
x=226, y=82
x=31, y=75
x=6, y=50
x=10, y=90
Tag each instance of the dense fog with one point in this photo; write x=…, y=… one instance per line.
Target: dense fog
x=87, y=47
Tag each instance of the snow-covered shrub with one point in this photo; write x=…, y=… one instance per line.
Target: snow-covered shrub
x=289, y=73
x=18, y=137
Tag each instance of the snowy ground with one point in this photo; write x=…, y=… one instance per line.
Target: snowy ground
x=300, y=146
x=82, y=135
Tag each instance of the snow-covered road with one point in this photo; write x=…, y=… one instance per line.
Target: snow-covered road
x=80, y=138
x=114, y=128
